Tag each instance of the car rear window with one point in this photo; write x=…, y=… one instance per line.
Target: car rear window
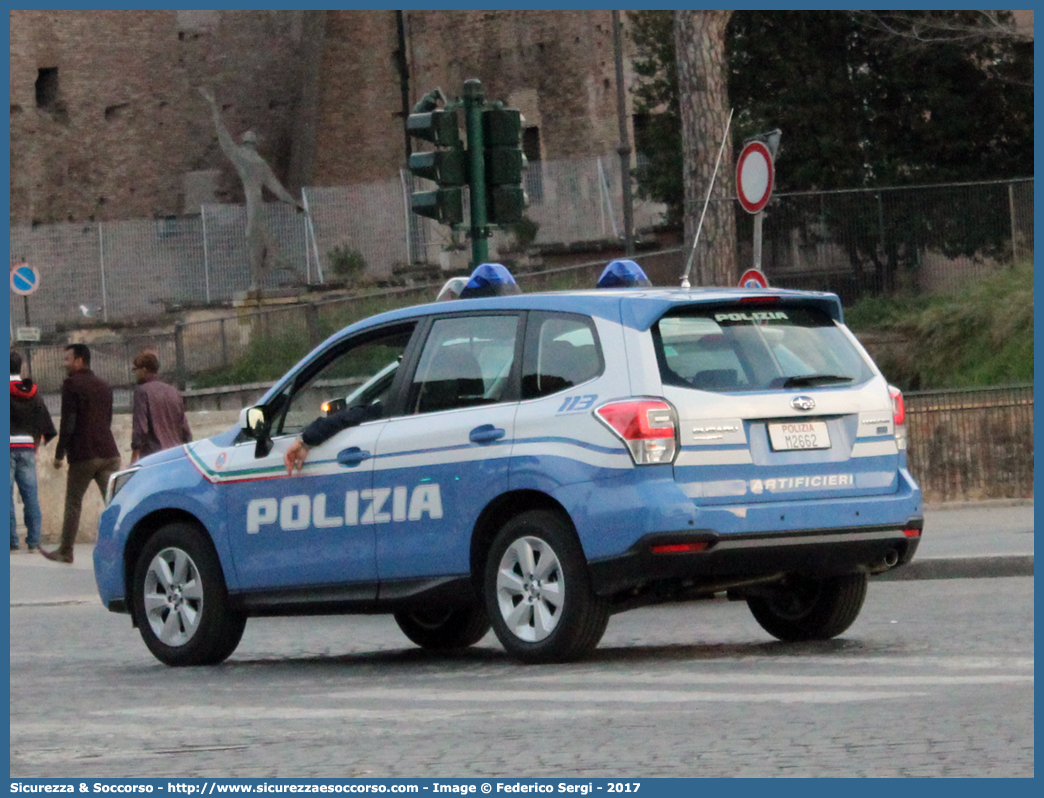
x=734, y=348
x=561, y=352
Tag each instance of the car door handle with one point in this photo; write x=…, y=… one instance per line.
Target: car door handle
x=486, y=433
x=351, y=456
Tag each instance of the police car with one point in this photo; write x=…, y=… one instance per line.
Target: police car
x=534, y=462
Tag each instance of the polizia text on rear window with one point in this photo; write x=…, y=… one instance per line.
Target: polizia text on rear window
x=733, y=348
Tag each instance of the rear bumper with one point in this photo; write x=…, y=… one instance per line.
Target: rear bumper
x=732, y=559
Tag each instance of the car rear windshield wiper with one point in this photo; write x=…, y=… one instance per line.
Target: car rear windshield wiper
x=810, y=380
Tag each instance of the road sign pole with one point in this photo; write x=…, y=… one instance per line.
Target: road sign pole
x=758, y=219
x=28, y=347
x=473, y=100
x=755, y=176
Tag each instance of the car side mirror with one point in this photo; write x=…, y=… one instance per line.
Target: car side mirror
x=258, y=425
x=333, y=406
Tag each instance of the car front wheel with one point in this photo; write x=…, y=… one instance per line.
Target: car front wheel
x=538, y=593
x=179, y=599
x=804, y=608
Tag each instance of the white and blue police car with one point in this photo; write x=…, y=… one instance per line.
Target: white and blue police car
x=534, y=462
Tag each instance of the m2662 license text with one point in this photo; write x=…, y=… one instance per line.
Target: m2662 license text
x=799, y=435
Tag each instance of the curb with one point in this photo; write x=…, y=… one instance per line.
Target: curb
x=976, y=504
x=58, y=602
x=961, y=568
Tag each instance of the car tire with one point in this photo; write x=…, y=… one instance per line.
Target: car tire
x=810, y=609
x=538, y=590
x=443, y=628
x=180, y=601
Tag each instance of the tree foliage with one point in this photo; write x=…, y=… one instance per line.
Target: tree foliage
x=859, y=108
x=657, y=132
x=931, y=27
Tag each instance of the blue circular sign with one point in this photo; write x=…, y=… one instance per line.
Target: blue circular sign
x=24, y=279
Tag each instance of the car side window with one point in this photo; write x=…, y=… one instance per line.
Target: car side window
x=358, y=372
x=466, y=361
x=562, y=351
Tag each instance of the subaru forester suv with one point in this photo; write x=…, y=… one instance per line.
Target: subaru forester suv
x=535, y=463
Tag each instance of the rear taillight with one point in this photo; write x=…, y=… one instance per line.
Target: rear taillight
x=647, y=426
x=898, y=408
x=898, y=416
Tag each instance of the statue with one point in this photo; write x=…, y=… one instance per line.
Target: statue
x=254, y=174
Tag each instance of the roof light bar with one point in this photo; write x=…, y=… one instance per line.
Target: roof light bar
x=490, y=279
x=623, y=274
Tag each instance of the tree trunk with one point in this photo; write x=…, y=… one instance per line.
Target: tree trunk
x=699, y=38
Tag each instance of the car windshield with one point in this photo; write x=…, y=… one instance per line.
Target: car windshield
x=735, y=348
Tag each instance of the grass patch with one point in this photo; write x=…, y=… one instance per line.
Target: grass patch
x=270, y=355
x=267, y=358
x=978, y=338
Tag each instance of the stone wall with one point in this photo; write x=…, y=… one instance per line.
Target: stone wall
x=556, y=67
x=106, y=122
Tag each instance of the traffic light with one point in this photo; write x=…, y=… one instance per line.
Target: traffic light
x=446, y=166
x=502, y=139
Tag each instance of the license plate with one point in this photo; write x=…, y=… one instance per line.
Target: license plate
x=793, y=435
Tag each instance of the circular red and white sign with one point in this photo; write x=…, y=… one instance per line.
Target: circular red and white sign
x=754, y=177
x=753, y=278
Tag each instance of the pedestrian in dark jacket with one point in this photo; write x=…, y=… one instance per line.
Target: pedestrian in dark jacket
x=85, y=436
x=158, y=412
x=30, y=424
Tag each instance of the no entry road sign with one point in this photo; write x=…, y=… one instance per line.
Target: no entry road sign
x=754, y=176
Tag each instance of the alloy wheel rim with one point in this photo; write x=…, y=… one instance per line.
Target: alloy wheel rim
x=173, y=595
x=530, y=589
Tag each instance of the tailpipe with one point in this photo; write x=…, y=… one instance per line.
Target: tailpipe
x=890, y=560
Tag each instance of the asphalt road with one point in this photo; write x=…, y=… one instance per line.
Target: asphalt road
x=981, y=529
x=934, y=679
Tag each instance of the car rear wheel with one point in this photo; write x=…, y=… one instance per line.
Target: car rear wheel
x=538, y=592
x=810, y=609
x=443, y=627
x=180, y=601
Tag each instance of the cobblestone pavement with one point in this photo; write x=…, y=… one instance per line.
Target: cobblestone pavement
x=934, y=679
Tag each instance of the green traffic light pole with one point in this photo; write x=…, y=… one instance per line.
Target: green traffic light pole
x=473, y=102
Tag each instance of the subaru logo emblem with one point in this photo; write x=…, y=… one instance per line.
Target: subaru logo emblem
x=803, y=403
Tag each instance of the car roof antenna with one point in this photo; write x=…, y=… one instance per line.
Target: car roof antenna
x=706, y=202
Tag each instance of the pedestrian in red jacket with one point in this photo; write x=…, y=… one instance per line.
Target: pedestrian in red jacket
x=30, y=424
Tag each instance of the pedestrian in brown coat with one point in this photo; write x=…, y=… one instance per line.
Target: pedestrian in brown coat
x=85, y=438
x=158, y=414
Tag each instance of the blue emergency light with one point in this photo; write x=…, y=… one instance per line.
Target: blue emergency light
x=490, y=279
x=623, y=274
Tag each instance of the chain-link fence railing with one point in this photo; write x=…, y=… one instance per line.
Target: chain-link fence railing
x=926, y=238
x=853, y=242
x=972, y=444
x=130, y=271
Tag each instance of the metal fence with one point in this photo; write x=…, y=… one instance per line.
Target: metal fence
x=130, y=271
x=875, y=241
x=930, y=238
x=972, y=444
